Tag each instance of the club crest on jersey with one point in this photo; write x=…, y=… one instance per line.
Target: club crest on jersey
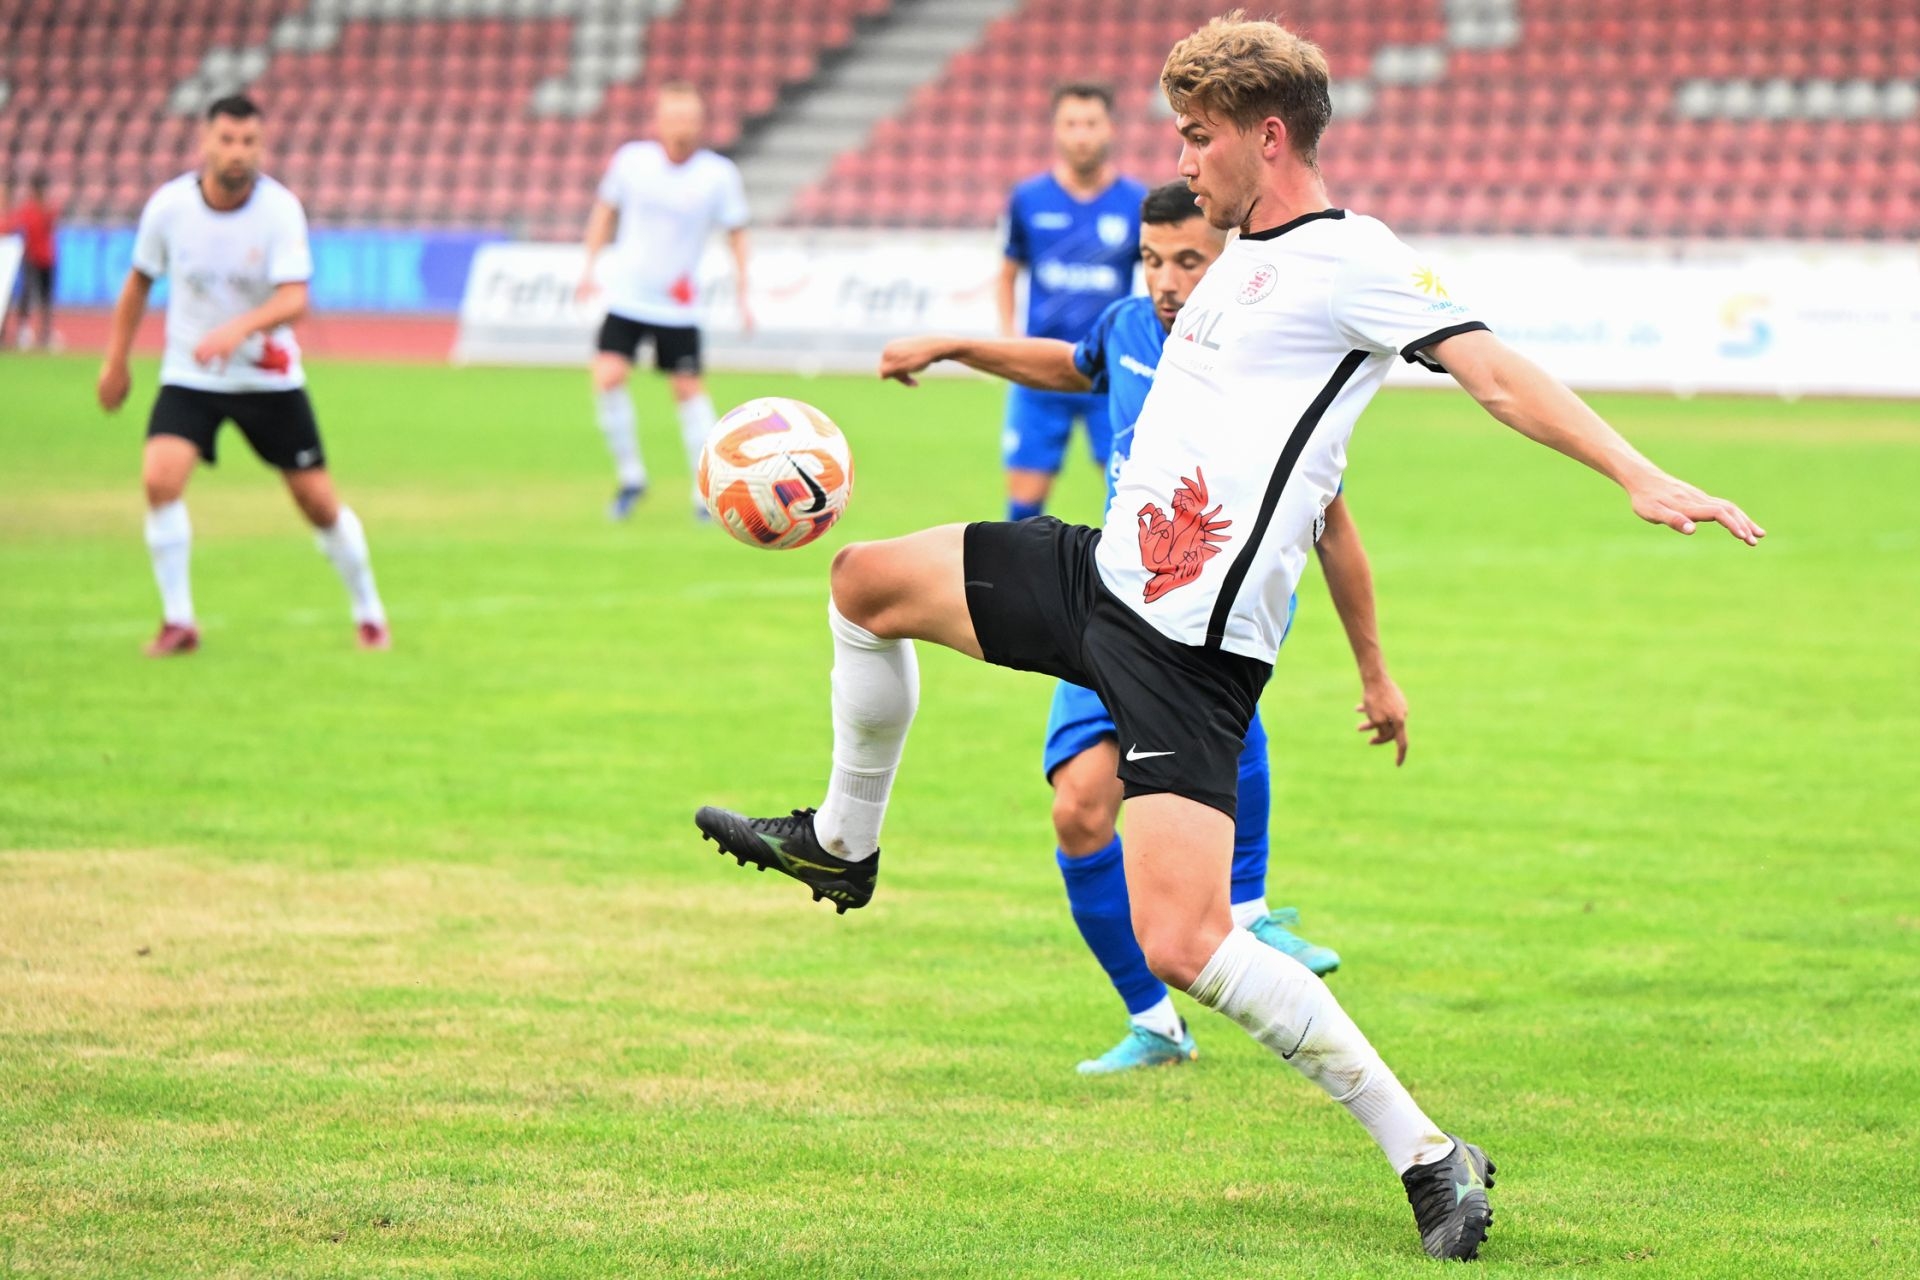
x=1258, y=285
x=1175, y=550
x=1113, y=229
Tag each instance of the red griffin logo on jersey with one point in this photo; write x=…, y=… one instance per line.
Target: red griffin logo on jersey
x=1174, y=551
x=274, y=358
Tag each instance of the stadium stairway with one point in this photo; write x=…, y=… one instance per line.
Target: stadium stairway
x=871, y=80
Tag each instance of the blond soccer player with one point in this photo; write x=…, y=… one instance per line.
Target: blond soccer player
x=1174, y=610
x=659, y=201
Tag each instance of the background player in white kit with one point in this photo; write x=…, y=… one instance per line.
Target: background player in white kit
x=1173, y=611
x=656, y=206
x=234, y=243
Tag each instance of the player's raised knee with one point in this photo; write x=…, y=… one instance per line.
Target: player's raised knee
x=860, y=584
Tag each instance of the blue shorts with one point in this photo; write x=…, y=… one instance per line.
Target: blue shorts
x=1079, y=719
x=1039, y=424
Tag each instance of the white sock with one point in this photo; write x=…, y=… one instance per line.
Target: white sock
x=1162, y=1018
x=696, y=423
x=876, y=687
x=1283, y=1006
x=1246, y=914
x=346, y=545
x=170, y=543
x=615, y=408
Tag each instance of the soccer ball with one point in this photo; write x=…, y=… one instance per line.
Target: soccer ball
x=776, y=473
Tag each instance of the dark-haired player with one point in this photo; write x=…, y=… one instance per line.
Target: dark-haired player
x=1075, y=231
x=234, y=243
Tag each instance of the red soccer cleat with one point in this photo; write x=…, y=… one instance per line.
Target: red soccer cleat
x=173, y=640
x=374, y=635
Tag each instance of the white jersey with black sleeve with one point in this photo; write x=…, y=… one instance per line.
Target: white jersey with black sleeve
x=1243, y=439
x=221, y=264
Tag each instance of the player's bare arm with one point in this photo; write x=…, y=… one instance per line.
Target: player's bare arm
x=116, y=380
x=1004, y=291
x=601, y=224
x=1530, y=400
x=1343, y=557
x=1043, y=363
x=287, y=304
x=737, y=243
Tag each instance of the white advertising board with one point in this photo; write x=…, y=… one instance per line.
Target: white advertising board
x=820, y=300
x=1771, y=319
x=1774, y=319
x=12, y=249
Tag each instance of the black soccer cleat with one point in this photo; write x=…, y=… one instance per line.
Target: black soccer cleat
x=788, y=845
x=1449, y=1199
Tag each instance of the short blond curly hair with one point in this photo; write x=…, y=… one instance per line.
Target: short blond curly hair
x=1244, y=70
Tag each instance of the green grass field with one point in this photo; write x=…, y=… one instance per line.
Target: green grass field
x=316, y=962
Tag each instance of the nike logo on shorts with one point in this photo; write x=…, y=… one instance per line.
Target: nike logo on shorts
x=1135, y=753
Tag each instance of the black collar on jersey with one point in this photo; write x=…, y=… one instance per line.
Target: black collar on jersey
x=1285, y=227
x=200, y=185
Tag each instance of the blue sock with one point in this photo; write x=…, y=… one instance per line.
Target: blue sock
x=1097, y=894
x=1252, y=818
x=1023, y=510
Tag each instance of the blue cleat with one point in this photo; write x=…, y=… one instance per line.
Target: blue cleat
x=625, y=501
x=1274, y=930
x=1143, y=1048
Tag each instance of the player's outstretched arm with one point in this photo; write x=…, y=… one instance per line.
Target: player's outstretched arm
x=1043, y=363
x=1383, y=707
x=1530, y=400
x=116, y=380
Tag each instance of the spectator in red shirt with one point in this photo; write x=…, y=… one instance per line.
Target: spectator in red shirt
x=34, y=220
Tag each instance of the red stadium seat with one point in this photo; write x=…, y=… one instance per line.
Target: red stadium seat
x=1530, y=138
x=1575, y=127
x=447, y=85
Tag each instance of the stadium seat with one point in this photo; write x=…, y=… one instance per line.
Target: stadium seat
x=1504, y=117
x=92, y=78
x=1703, y=117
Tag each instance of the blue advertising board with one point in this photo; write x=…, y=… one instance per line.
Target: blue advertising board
x=407, y=272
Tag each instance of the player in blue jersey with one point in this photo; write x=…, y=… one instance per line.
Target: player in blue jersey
x=1075, y=232
x=1117, y=358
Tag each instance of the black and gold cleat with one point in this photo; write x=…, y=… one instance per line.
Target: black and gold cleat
x=788, y=845
x=1449, y=1199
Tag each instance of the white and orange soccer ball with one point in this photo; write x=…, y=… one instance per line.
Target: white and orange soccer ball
x=776, y=473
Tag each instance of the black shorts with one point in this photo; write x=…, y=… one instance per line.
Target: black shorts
x=676, y=348
x=1181, y=711
x=278, y=424
x=36, y=282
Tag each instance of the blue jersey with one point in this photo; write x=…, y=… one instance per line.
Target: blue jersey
x=1079, y=255
x=1118, y=355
